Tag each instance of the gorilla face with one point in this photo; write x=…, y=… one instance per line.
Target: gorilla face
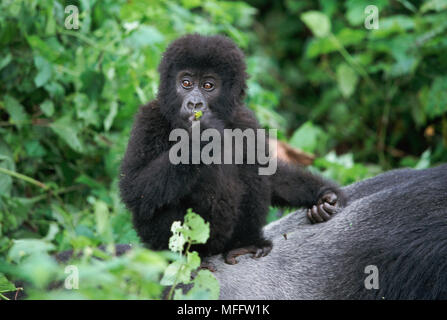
x=199, y=92
x=201, y=74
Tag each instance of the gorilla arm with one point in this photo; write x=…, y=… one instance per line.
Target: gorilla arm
x=148, y=179
x=295, y=187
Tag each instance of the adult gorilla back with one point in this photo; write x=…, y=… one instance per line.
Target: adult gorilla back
x=396, y=221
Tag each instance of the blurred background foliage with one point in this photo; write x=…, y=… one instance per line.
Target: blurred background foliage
x=361, y=100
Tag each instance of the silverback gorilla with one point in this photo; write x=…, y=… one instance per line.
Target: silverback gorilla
x=206, y=75
x=396, y=221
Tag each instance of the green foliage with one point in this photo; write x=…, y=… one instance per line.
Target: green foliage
x=379, y=94
x=67, y=101
x=194, y=230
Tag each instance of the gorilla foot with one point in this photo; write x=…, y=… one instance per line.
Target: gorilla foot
x=257, y=251
x=208, y=266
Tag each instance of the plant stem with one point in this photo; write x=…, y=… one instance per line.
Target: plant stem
x=4, y=297
x=171, y=291
x=24, y=178
x=350, y=60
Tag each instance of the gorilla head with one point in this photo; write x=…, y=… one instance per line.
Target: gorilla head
x=201, y=73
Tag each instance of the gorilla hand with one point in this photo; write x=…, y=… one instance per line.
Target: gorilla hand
x=325, y=208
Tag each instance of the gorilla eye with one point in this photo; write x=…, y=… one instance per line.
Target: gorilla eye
x=208, y=85
x=186, y=84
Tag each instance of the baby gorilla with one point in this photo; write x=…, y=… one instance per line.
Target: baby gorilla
x=203, y=79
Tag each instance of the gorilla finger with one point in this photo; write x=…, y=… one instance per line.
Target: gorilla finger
x=329, y=209
x=266, y=250
x=323, y=213
x=230, y=260
x=330, y=198
x=258, y=254
x=316, y=215
x=309, y=216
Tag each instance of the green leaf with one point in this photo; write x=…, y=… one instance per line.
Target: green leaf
x=192, y=260
x=205, y=287
x=436, y=100
x=34, y=149
x=92, y=83
x=39, y=268
x=436, y=5
x=424, y=162
x=324, y=45
x=198, y=230
x=25, y=247
x=347, y=79
x=44, y=71
x=44, y=49
x=307, y=137
x=176, y=271
x=15, y=109
x=102, y=217
x=5, y=61
x=317, y=22
x=6, y=285
x=66, y=130
x=144, y=36
x=47, y=108
x=7, y=162
x=108, y=121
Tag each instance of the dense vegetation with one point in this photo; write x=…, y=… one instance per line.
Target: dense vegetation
x=362, y=100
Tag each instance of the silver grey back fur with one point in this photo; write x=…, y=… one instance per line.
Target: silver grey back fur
x=396, y=221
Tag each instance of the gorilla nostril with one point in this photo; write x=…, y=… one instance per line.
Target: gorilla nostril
x=199, y=105
x=190, y=105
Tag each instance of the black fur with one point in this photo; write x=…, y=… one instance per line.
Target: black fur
x=233, y=198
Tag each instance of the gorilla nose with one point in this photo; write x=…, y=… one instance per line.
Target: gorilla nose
x=194, y=105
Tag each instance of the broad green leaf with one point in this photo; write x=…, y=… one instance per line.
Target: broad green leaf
x=192, y=260
x=39, y=268
x=205, y=286
x=34, y=149
x=47, y=108
x=43, y=48
x=318, y=22
x=144, y=36
x=198, y=230
x=347, y=79
x=5, y=61
x=424, y=161
x=346, y=37
x=6, y=285
x=92, y=83
x=307, y=137
x=67, y=131
x=44, y=71
x=436, y=5
x=15, y=109
x=436, y=100
x=25, y=247
x=176, y=271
